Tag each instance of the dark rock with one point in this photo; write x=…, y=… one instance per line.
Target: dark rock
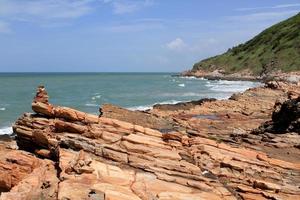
x=182, y=105
x=285, y=118
x=136, y=117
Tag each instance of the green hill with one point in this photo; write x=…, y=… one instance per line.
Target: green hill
x=276, y=48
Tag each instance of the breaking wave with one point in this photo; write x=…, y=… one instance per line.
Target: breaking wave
x=230, y=86
x=91, y=105
x=147, y=107
x=96, y=97
x=192, y=77
x=6, y=131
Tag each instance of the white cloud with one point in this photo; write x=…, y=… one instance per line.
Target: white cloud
x=199, y=46
x=176, y=45
x=270, y=7
x=58, y=13
x=132, y=28
x=123, y=7
x=287, y=5
x=47, y=9
x=44, y=13
x=262, y=16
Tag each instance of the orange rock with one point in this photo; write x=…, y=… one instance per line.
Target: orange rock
x=26, y=177
x=206, y=153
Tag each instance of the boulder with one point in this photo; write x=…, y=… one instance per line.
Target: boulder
x=285, y=118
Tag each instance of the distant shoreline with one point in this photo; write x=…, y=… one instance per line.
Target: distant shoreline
x=225, y=78
x=292, y=77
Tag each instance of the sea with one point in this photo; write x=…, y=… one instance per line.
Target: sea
x=88, y=91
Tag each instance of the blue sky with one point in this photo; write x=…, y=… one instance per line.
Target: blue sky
x=127, y=35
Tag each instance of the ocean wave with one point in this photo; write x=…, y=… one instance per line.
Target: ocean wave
x=150, y=106
x=181, y=85
x=175, y=80
x=2, y=109
x=91, y=105
x=192, y=77
x=168, y=102
x=6, y=131
x=223, y=96
x=229, y=89
x=186, y=94
x=96, y=97
x=140, y=108
x=192, y=94
x=230, y=86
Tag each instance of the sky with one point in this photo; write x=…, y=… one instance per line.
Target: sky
x=128, y=35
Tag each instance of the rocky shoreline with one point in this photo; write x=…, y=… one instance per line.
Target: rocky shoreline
x=293, y=77
x=246, y=147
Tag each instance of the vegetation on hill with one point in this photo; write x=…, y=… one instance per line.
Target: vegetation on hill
x=276, y=48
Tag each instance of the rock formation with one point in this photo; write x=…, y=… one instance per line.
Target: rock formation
x=182, y=105
x=207, y=153
x=285, y=118
x=26, y=177
x=141, y=118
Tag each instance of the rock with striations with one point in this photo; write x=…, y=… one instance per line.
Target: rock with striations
x=24, y=176
x=104, y=158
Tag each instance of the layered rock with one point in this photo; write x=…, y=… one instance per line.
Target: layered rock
x=182, y=105
x=232, y=120
x=106, y=158
x=26, y=177
x=141, y=118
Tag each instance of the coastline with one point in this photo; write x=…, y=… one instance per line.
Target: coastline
x=208, y=149
x=293, y=77
x=219, y=75
x=93, y=105
x=163, y=89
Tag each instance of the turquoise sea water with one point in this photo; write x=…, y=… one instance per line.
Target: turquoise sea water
x=87, y=91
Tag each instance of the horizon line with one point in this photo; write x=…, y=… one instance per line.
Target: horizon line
x=85, y=72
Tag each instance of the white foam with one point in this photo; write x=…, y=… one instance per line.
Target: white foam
x=141, y=108
x=6, y=131
x=192, y=77
x=186, y=94
x=2, y=109
x=168, y=102
x=230, y=86
x=91, y=105
x=96, y=97
x=148, y=107
x=181, y=85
